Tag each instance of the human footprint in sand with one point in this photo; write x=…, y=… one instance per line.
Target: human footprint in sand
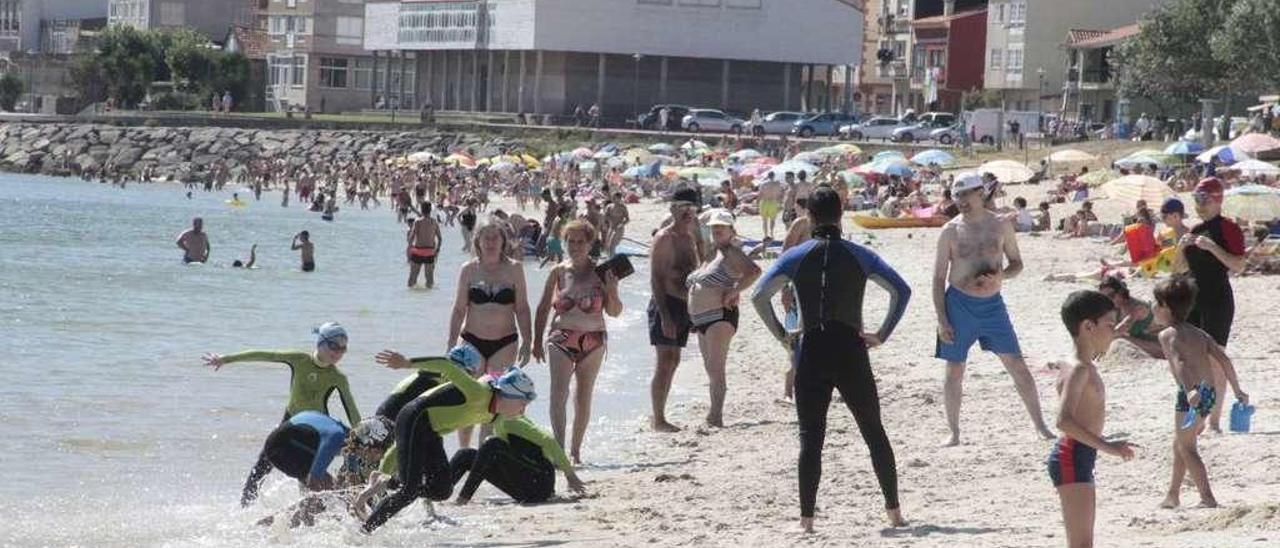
x=971, y=251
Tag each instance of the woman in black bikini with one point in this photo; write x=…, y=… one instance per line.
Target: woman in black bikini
x=577, y=341
x=491, y=304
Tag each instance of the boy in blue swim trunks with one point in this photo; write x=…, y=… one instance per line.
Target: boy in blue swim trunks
x=971, y=254
x=1189, y=350
x=1090, y=317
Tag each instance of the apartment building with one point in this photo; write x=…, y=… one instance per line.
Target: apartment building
x=315, y=55
x=25, y=23
x=883, y=78
x=1089, y=91
x=551, y=56
x=211, y=17
x=1024, y=43
x=947, y=57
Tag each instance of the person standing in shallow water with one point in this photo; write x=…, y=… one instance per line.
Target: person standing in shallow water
x=194, y=243
x=674, y=257
x=425, y=240
x=302, y=243
x=971, y=251
x=830, y=276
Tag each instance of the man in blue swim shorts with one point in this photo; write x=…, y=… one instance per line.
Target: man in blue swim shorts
x=967, y=277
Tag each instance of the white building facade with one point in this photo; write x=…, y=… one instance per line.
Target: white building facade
x=552, y=56
x=21, y=20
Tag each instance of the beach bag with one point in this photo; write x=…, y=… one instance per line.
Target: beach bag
x=1140, y=241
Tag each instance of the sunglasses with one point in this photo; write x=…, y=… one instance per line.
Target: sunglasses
x=333, y=345
x=1202, y=197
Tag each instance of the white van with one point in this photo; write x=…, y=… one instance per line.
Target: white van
x=985, y=124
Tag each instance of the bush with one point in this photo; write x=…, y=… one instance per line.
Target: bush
x=175, y=100
x=10, y=90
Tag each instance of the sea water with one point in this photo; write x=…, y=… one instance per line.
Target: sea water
x=111, y=430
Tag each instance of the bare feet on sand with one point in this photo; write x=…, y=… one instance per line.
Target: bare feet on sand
x=1046, y=433
x=664, y=426
x=715, y=422
x=1169, y=502
x=806, y=524
x=895, y=518
x=1208, y=503
x=953, y=441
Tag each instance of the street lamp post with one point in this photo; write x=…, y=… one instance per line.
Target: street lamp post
x=635, y=90
x=31, y=81
x=1040, y=96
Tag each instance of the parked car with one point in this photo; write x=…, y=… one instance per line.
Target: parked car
x=676, y=114
x=880, y=127
x=927, y=122
x=774, y=123
x=946, y=135
x=989, y=124
x=823, y=124
x=707, y=119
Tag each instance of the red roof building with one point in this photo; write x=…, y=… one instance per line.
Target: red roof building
x=947, y=59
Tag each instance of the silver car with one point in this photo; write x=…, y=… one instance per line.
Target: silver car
x=776, y=123
x=707, y=119
x=880, y=127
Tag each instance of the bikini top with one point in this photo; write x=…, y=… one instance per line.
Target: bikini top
x=716, y=277
x=590, y=302
x=478, y=294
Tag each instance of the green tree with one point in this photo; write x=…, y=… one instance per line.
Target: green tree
x=10, y=89
x=126, y=62
x=1249, y=43
x=1169, y=61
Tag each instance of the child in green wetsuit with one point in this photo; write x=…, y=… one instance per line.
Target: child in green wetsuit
x=315, y=377
x=418, y=457
x=520, y=459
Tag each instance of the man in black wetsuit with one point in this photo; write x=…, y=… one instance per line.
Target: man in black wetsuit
x=1212, y=250
x=830, y=275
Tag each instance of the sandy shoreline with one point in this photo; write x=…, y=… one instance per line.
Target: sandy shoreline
x=737, y=485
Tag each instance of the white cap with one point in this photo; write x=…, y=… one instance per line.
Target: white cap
x=467, y=357
x=515, y=384
x=967, y=181
x=719, y=217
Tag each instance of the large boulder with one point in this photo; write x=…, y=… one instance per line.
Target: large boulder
x=108, y=136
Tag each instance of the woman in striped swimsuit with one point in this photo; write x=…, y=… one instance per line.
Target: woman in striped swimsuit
x=713, y=304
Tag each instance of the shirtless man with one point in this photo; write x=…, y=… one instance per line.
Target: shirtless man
x=971, y=251
x=424, y=242
x=674, y=255
x=788, y=197
x=770, y=200
x=302, y=242
x=194, y=243
x=616, y=217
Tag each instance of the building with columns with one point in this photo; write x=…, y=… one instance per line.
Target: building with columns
x=41, y=25
x=315, y=55
x=549, y=57
x=211, y=17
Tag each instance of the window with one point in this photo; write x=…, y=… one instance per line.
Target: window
x=283, y=24
x=999, y=14
x=996, y=60
x=363, y=73
x=299, y=71
x=441, y=22
x=1015, y=60
x=701, y=3
x=1018, y=13
x=350, y=30
x=333, y=72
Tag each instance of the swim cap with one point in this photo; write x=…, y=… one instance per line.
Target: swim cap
x=515, y=384
x=1210, y=186
x=374, y=431
x=329, y=331
x=966, y=182
x=467, y=357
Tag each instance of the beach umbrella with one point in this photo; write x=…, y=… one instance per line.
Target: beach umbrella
x=888, y=154
x=603, y=155
x=704, y=174
x=808, y=158
x=779, y=171
x=746, y=154
x=842, y=149
x=617, y=161
x=1184, y=148
x=1096, y=178
x=1252, y=202
x=1072, y=156
x=1146, y=160
x=1255, y=168
x=424, y=156
x=693, y=144
x=1256, y=143
x=1007, y=171
x=1132, y=188
x=893, y=166
x=933, y=156
x=637, y=155
x=754, y=170
x=587, y=165
x=652, y=170
x=662, y=148
x=581, y=152
x=505, y=167
x=1227, y=154
x=853, y=178
x=663, y=159
x=460, y=160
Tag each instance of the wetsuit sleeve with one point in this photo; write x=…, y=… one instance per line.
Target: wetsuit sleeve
x=348, y=402
x=525, y=428
x=390, y=461
x=1233, y=237
x=332, y=435
x=886, y=277
x=445, y=368
x=774, y=279
x=277, y=356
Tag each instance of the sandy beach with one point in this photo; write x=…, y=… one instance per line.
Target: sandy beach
x=736, y=486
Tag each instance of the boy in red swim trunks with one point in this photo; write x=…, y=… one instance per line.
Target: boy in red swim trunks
x=1090, y=317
